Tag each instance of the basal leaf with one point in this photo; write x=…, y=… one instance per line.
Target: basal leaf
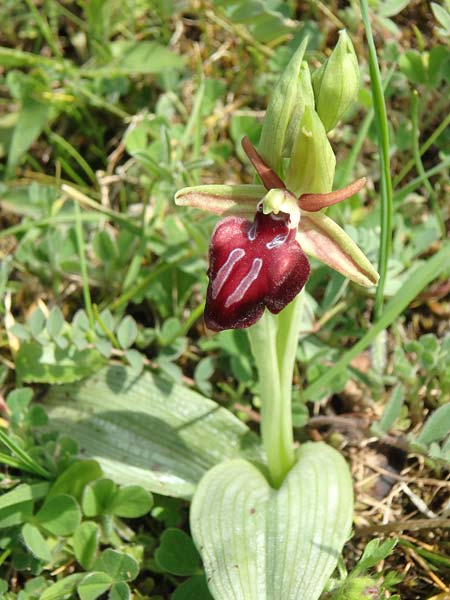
x=258, y=543
x=146, y=431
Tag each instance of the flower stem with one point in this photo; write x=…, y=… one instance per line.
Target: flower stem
x=274, y=341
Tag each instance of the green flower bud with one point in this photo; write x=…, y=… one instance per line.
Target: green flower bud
x=336, y=83
x=282, y=103
x=312, y=164
x=305, y=97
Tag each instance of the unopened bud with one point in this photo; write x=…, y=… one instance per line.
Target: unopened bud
x=312, y=164
x=336, y=83
x=305, y=97
x=282, y=103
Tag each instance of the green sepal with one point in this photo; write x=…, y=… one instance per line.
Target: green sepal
x=337, y=82
x=222, y=199
x=312, y=164
x=321, y=237
x=258, y=543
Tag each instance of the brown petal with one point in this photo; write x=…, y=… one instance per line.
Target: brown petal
x=269, y=178
x=314, y=202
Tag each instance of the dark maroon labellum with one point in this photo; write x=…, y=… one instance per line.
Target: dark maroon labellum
x=252, y=266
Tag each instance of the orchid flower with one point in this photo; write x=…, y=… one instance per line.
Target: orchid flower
x=261, y=263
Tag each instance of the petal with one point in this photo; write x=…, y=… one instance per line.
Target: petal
x=315, y=202
x=322, y=238
x=252, y=266
x=222, y=199
x=267, y=175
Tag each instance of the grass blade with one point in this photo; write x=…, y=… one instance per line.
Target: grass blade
x=379, y=107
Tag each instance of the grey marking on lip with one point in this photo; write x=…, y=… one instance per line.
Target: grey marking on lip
x=277, y=241
x=245, y=283
x=225, y=270
x=252, y=232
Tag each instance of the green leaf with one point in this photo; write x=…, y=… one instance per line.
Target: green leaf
x=119, y=566
x=146, y=431
x=98, y=497
x=50, y=364
x=135, y=359
x=18, y=400
x=62, y=588
x=436, y=427
x=144, y=57
x=55, y=322
x=390, y=8
x=35, y=543
x=391, y=411
x=59, y=515
x=177, y=553
x=36, y=321
x=131, y=502
x=85, y=543
x=75, y=478
x=411, y=64
x=120, y=591
x=127, y=332
x=104, y=246
x=374, y=552
x=259, y=543
x=32, y=118
x=194, y=588
x=442, y=16
x=23, y=493
x=94, y=585
x=16, y=514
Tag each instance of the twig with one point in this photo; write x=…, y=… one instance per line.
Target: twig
x=414, y=525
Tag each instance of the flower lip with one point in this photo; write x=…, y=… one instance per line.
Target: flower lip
x=253, y=266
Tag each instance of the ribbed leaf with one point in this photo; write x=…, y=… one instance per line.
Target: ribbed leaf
x=146, y=431
x=258, y=543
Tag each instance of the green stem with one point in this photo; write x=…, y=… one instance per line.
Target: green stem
x=287, y=341
x=276, y=416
